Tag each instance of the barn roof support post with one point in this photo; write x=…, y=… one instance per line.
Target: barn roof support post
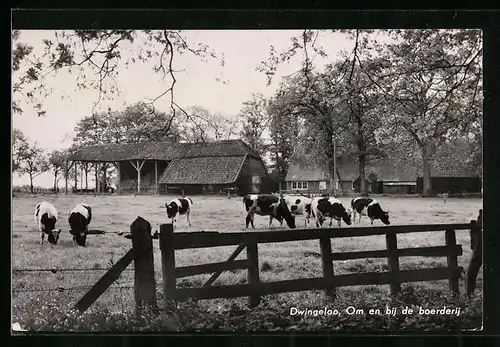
x=97, y=185
x=76, y=177
x=156, y=177
x=66, y=177
x=138, y=167
x=118, y=178
x=81, y=176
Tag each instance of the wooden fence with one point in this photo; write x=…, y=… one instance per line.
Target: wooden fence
x=169, y=242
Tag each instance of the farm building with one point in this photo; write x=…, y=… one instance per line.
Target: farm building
x=452, y=185
x=382, y=176
x=161, y=167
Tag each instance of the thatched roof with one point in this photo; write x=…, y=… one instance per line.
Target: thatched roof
x=161, y=151
x=301, y=172
x=203, y=170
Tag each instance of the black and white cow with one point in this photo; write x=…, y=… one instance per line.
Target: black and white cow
x=181, y=206
x=322, y=207
x=79, y=219
x=299, y=205
x=267, y=205
x=372, y=207
x=45, y=221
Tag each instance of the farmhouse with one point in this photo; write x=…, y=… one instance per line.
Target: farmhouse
x=161, y=167
x=382, y=176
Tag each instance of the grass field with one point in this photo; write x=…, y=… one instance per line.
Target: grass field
x=278, y=261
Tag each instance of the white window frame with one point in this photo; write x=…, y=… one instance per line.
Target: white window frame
x=322, y=185
x=300, y=185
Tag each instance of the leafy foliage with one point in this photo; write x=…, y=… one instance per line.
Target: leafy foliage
x=255, y=121
x=28, y=158
x=271, y=315
x=95, y=58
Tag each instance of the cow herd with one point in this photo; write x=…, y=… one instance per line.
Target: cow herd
x=318, y=208
x=282, y=208
x=79, y=219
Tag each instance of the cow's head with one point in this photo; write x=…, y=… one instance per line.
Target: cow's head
x=385, y=218
x=347, y=216
x=171, y=210
x=81, y=239
x=285, y=213
x=53, y=236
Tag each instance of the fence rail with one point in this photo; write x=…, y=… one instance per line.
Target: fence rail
x=141, y=255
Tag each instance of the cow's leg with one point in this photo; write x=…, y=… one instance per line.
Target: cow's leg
x=339, y=222
x=249, y=219
x=270, y=220
x=371, y=220
x=188, y=219
x=43, y=236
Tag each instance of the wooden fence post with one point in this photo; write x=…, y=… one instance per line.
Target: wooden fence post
x=476, y=238
x=327, y=262
x=253, y=269
x=452, y=261
x=167, y=263
x=144, y=272
x=393, y=259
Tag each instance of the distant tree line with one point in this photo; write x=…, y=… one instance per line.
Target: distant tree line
x=412, y=95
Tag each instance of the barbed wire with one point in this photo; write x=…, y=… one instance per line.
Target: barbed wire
x=120, y=233
x=55, y=270
x=63, y=289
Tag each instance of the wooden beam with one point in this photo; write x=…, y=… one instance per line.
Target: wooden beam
x=97, y=178
x=156, y=177
x=118, y=178
x=131, y=162
x=318, y=283
x=66, y=169
x=104, y=282
x=192, y=270
x=138, y=177
x=231, y=258
x=81, y=176
x=434, y=251
x=183, y=241
x=140, y=167
x=76, y=177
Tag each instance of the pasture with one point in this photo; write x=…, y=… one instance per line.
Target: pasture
x=288, y=260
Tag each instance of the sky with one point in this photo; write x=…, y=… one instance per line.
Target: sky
x=197, y=83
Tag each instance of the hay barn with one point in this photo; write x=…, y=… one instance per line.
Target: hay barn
x=194, y=168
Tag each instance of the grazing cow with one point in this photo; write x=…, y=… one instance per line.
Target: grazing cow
x=322, y=207
x=268, y=205
x=45, y=221
x=299, y=205
x=79, y=220
x=373, y=210
x=181, y=206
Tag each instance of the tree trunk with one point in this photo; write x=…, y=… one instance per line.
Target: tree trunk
x=362, y=176
x=331, y=172
x=426, y=166
x=86, y=176
x=32, y=190
x=341, y=186
x=55, y=181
